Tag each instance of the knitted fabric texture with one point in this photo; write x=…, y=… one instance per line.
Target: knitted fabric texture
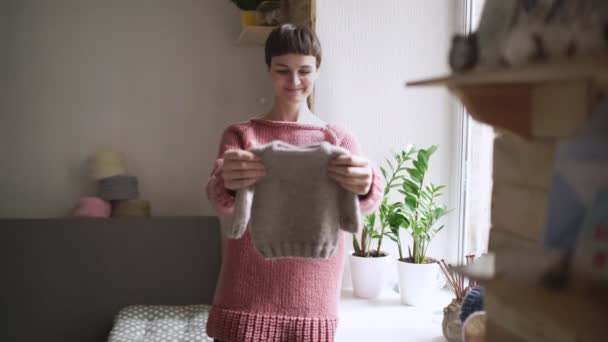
x=277, y=299
x=296, y=209
x=472, y=302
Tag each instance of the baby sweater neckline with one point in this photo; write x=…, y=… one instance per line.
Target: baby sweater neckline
x=281, y=146
x=286, y=124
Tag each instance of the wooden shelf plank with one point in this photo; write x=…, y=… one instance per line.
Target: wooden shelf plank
x=516, y=302
x=535, y=107
x=254, y=35
x=524, y=265
x=537, y=314
x=595, y=68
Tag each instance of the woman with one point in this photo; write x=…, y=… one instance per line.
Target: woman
x=288, y=299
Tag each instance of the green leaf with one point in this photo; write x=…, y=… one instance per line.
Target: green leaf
x=438, y=188
x=439, y=229
x=411, y=203
x=425, y=195
x=424, y=206
x=419, y=166
x=370, y=220
x=411, y=184
x=395, y=205
x=396, y=156
x=415, y=174
x=374, y=235
x=390, y=164
x=397, y=220
x=423, y=158
x=440, y=212
x=410, y=189
x=384, y=173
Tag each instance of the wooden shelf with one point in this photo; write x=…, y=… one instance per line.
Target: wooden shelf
x=595, y=68
x=519, y=306
x=522, y=266
x=534, y=313
x=254, y=35
x=540, y=100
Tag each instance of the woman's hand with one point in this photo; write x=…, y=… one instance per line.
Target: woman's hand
x=241, y=169
x=353, y=173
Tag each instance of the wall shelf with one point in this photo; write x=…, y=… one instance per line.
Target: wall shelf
x=544, y=103
x=522, y=309
x=595, y=67
x=542, y=100
x=254, y=35
x=533, y=313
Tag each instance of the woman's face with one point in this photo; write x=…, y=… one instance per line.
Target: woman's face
x=293, y=76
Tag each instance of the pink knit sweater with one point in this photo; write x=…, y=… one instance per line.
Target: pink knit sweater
x=277, y=300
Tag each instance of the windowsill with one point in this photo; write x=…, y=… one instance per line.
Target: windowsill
x=386, y=319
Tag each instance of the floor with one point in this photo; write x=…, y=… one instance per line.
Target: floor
x=386, y=319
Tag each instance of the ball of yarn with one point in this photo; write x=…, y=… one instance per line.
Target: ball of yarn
x=107, y=164
x=472, y=302
x=474, y=328
x=92, y=207
x=121, y=187
x=131, y=208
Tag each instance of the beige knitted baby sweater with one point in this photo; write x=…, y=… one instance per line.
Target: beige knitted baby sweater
x=295, y=210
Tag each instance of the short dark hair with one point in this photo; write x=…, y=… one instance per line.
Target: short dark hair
x=290, y=38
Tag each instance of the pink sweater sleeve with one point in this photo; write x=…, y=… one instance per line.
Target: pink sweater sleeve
x=370, y=201
x=221, y=198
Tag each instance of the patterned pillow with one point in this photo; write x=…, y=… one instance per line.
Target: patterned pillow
x=161, y=323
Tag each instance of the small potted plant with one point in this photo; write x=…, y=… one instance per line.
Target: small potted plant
x=419, y=214
x=368, y=263
x=248, y=11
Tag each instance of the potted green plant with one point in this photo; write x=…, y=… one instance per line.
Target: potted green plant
x=368, y=260
x=248, y=11
x=419, y=214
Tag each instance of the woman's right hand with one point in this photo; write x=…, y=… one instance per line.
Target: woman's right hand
x=241, y=169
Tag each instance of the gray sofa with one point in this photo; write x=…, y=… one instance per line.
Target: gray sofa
x=65, y=279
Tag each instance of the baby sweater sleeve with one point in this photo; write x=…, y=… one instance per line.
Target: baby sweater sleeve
x=241, y=214
x=371, y=201
x=221, y=198
x=242, y=205
x=350, y=211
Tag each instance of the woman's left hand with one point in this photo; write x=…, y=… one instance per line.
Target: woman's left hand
x=353, y=173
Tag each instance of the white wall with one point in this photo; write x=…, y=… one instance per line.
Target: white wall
x=371, y=48
x=157, y=79
x=160, y=79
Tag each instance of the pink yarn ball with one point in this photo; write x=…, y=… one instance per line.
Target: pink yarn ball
x=93, y=207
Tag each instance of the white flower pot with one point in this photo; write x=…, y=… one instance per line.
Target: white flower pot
x=368, y=275
x=418, y=282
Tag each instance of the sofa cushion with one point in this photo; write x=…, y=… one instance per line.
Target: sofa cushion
x=161, y=323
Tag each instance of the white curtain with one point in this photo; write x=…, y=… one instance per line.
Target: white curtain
x=479, y=173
